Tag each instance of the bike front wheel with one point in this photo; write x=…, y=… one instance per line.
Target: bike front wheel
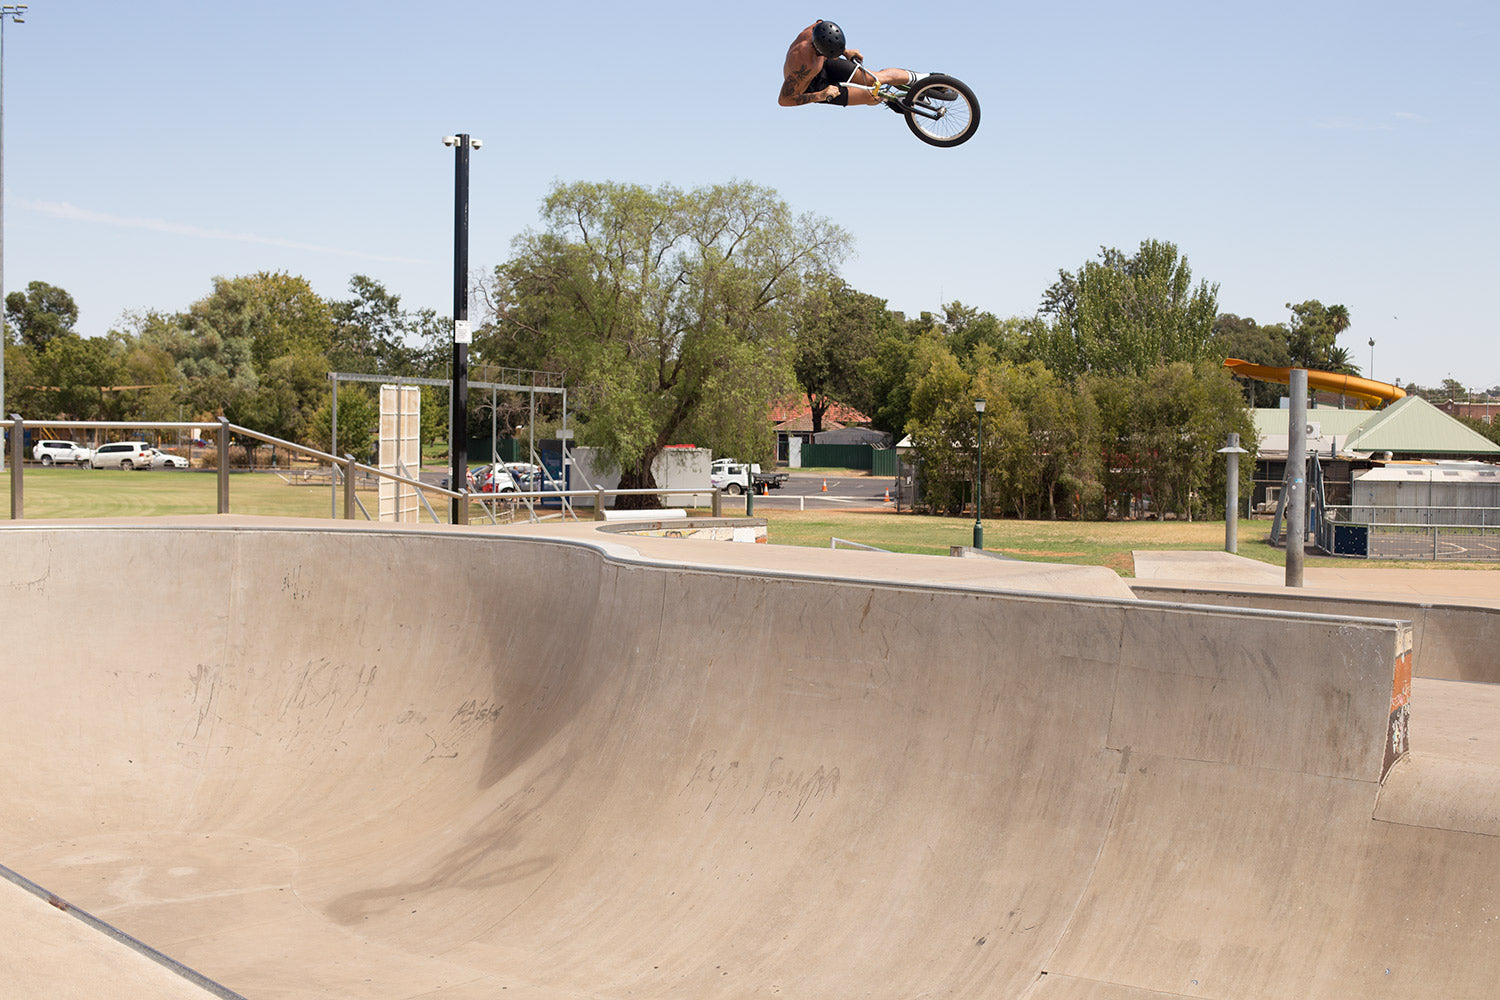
x=941, y=110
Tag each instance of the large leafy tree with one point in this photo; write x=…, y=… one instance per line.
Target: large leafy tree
x=371, y=333
x=1127, y=314
x=1056, y=464
x=236, y=333
x=73, y=374
x=944, y=427
x=40, y=314
x=1039, y=436
x=968, y=327
x=359, y=422
x=670, y=311
x=838, y=330
x=273, y=314
x=1312, y=336
x=1161, y=431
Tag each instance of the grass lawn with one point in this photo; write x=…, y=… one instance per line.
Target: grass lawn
x=1082, y=542
x=64, y=492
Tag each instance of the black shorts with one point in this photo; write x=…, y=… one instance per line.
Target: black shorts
x=835, y=72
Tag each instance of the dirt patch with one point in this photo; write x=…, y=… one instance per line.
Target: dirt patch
x=1122, y=563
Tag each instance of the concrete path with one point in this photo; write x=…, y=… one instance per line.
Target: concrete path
x=1469, y=586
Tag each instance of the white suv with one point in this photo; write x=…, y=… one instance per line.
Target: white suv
x=50, y=452
x=122, y=455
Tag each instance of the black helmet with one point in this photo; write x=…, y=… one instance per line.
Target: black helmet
x=828, y=39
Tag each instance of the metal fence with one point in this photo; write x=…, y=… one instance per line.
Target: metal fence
x=344, y=469
x=1441, y=534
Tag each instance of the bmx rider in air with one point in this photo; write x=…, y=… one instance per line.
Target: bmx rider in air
x=819, y=66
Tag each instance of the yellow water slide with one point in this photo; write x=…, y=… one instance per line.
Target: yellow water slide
x=1369, y=393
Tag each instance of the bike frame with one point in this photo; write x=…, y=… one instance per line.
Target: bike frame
x=897, y=90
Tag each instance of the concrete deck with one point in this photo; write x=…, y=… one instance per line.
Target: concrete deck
x=317, y=760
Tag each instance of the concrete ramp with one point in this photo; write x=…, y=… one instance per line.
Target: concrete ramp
x=327, y=761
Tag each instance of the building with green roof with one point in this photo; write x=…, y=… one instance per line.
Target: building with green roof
x=1409, y=429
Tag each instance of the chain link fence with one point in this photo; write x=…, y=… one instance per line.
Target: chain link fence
x=1439, y=534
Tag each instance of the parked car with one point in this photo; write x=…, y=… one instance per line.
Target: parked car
x=51, y=452
x=122, y=455
x=163, y=460
x=488, y=479
x=532, y=478
x=493, y=479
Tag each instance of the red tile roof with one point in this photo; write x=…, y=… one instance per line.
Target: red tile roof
x=795, y=408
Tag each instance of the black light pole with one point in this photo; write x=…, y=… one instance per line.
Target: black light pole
x=979, y=479
x=458, y=410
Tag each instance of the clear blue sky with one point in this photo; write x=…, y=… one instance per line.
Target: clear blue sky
x=1343, y=151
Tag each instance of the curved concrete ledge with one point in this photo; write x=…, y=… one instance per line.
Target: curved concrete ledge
x=311, y=759
x=1450, y=641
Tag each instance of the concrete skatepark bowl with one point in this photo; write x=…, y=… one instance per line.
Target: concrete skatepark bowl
x=316, y=760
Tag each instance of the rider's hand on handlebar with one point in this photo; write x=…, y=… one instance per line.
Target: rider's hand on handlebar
x=854, y=55
x=830, y=92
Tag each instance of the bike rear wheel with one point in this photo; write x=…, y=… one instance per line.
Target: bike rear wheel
x=941, y=110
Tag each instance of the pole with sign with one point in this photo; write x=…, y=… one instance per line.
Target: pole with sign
x=458, y=412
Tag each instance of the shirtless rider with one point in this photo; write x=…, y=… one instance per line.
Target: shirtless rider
x=816, y=71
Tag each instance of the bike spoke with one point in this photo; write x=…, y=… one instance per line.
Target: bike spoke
x=948, y=119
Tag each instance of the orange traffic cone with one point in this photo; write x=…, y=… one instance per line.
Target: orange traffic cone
x=887, y=496
x=825, y=486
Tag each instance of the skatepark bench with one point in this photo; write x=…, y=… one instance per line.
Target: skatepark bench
x=666, y=514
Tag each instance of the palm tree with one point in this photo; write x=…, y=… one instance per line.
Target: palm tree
x=1338, y=318
x=1341, y=362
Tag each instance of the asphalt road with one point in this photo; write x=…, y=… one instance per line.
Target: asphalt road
x=809, y=491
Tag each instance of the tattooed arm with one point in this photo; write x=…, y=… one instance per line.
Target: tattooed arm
x=791, y=90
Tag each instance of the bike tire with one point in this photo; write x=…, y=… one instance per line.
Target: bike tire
x=941, y=122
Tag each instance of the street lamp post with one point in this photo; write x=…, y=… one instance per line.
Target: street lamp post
x=9, y=12
x=458, y=409
x=979, y=480
x=1233, y=450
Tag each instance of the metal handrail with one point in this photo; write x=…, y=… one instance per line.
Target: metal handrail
x=347, y=464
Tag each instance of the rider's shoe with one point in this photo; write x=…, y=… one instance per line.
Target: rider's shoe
x=936, y=93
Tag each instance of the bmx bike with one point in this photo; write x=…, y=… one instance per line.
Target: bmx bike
x=939, y=109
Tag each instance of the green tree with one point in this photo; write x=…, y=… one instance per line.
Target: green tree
x=968, y=327
x=671, y=311
x=887, y=378
x=274, y=313
x=371, y=333
x=218, y=373
x=148, y=345
x=1248, y=340
x=1312, y=336
x=40, y=314
x=21, y=392
x=1127, y=314
x=1160, y=435
x=359, y=422
x=74, y=373
x=944, y=428
x=286, y=397
x=1056, y=462
x=234, y=338
x=837, y=330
